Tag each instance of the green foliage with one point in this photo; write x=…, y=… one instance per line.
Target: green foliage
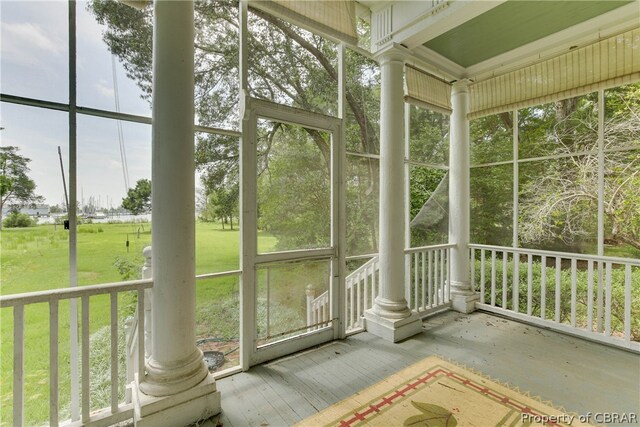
x=129, y=269
x=288, y=65
x=363, y=180
x=138, y=199
x=55, y=209
x=16, y=187
x=429, y=137
x=17, y=219
x=222, y=204
x=423, y=183
x=294, y=190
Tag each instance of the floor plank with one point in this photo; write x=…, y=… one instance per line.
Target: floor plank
x=579, y=375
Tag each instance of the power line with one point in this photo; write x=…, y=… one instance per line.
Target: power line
x=123, y=152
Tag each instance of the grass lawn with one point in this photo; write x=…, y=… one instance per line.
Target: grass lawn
x=37, y=258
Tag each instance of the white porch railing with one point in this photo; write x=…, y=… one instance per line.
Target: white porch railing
x=118, y=411
x=318, y=313
x=361, y=291
x=584, y=295
x=428, y=278
x=362, y=288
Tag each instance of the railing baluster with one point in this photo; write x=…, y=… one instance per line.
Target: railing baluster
x=493, y=277
x=529, y=284
x=482, y=276
x=114, y=352
x=448, y=268
x=86, y=397
x=53, y=363
x=365, y=293
x=436, y=278
x=352, y=307
x=505, y=278
x=373, y=283
x=558, y=288
x=359, y=296
x=472, y=265
x=442, y=276
x=415, y=281
x=627, y=302
x=543, y=287
x=516, y=283
x=141, y=347
x=430, y=278
x=607, y=307
x=424, y=281
x=590, y=296
x=18, y=365
x=573, y=291
x=599, y=298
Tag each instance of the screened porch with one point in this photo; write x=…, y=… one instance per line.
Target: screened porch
x=340, y=189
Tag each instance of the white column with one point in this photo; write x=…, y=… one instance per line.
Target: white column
x=390, y=316
x=177, y=388
x=462, y=296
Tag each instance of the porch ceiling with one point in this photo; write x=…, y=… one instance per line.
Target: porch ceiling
x=514, y=24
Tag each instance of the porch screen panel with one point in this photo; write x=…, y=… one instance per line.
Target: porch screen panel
x=610, y=62
x=427, y=91
x=333, y=18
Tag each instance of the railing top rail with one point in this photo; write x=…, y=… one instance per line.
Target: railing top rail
x=429, y=248
x=363, y=267
x=68, y=293
x=568, y=255
x=218, y=275
x=357, y=257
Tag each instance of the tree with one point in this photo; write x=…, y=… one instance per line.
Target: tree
x=16, y=188
x=560, y=197
x=288, y=65
x=138, y=199
x=221, y=204
x=294, y=197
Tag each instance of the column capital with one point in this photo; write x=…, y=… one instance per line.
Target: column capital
x=461, y=85
x=393, y=53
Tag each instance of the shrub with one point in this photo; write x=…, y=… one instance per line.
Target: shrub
x=17, y=219
x=128, y=269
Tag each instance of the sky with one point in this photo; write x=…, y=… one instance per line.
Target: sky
x=33, y=63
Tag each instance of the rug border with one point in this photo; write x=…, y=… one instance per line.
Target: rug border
x=483, y=375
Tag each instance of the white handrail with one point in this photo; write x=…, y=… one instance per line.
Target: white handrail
x=117, y=411
x=553, y=307
x=567, y=255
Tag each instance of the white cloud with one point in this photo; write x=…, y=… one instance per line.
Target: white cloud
x=105, y=89
x=27, y=43
x=115, y=165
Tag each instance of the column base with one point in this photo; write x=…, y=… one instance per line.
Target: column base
x=393, y=330
x=187, y=407
x=463, y=299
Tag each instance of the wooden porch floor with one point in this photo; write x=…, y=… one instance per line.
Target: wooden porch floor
x=579, y=375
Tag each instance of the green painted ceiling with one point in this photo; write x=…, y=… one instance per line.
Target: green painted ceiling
x=514, y=24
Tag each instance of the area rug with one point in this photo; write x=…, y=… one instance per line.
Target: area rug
x=434, y=392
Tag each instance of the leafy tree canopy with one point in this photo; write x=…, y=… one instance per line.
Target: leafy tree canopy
x=16, y=188
x=138, y=199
